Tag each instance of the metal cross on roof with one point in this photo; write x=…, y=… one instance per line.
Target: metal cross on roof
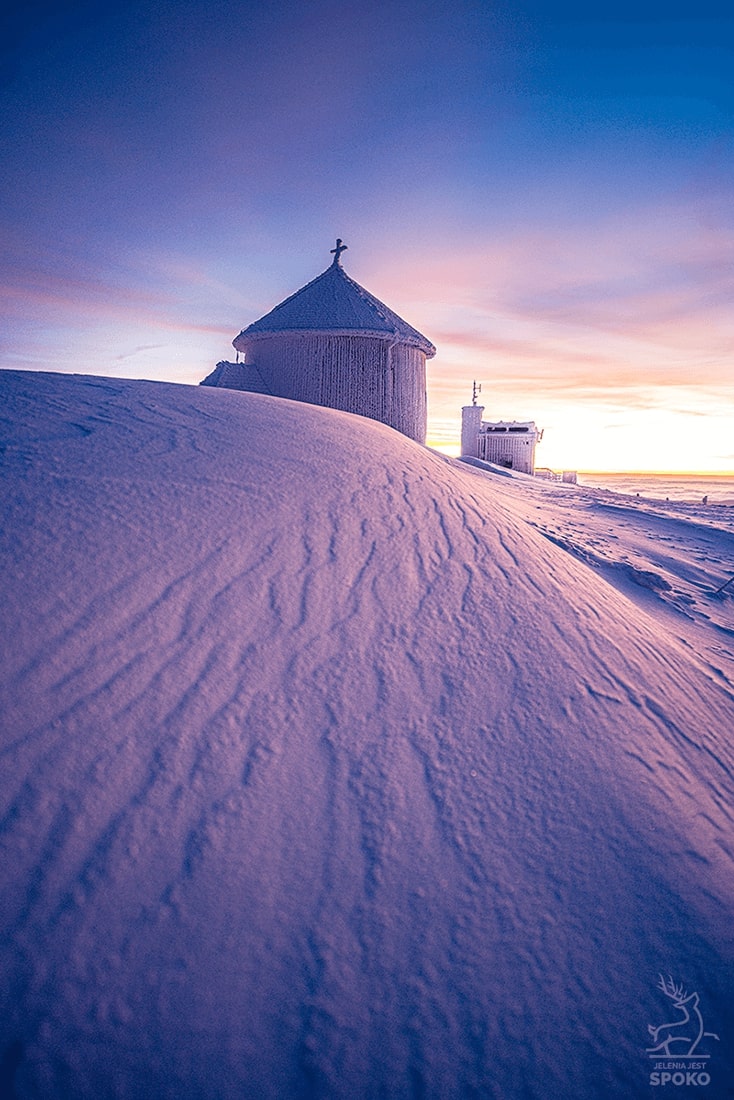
x=336, y=252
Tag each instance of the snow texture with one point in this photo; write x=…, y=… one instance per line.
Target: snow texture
x=236, y=376
x=353, y=373
x=334, y=302
x=335, y=768
x=333, y=343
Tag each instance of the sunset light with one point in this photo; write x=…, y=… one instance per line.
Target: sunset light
x=546, y=193
x=367, y=549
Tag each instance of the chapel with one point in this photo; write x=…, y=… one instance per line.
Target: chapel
x=333, y=343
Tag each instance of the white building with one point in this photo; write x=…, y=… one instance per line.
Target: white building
x=333, y=343
x=509, y=443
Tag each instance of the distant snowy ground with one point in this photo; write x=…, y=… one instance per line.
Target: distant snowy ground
x=671, y=558
x=335, y=768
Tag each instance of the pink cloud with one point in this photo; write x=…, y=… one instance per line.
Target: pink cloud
x=616, y=314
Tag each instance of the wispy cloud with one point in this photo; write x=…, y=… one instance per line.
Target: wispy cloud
x=630, y=313
x=138, y=350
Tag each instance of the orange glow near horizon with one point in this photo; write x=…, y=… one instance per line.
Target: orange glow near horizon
x=544, y=191
x=606, y=401
x=620, y=372
x=652, y=430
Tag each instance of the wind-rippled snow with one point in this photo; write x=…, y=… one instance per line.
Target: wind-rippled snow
x=330, y=772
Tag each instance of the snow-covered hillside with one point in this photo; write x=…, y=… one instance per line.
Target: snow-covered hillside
x=327, y=774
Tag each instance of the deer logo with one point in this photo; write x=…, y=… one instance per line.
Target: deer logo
x=680, y=1038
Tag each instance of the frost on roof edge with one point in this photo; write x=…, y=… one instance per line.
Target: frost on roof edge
x=337, y=316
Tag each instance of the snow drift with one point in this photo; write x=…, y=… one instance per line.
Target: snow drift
x=326, y=774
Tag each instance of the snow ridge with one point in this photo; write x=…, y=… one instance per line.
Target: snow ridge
x=328, y=774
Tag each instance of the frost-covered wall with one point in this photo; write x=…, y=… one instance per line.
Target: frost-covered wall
x=508, y=443
x=236, y=376
x=471, y=424
x=511, y=446
x=370, y=376
x=333, y=343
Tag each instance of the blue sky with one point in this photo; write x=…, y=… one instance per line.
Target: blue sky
x=544, y=190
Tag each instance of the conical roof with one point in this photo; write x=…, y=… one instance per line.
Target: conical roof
x=334, y=303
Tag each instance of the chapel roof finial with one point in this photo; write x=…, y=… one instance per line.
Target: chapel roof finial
x=336, y=252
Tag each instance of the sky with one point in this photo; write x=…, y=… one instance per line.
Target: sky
x=544, y=190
